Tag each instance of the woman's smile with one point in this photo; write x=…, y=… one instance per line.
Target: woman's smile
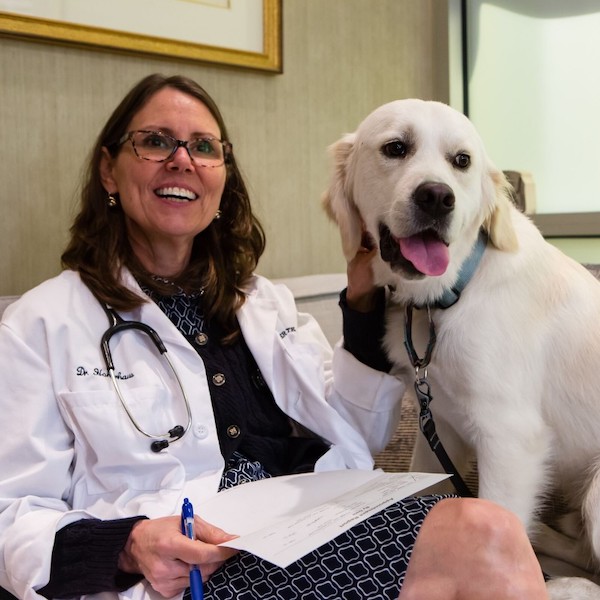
x=178, y=194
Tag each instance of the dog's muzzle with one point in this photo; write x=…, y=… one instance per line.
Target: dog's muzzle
x=425, y=252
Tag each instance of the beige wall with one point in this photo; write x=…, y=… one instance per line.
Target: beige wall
x=342, y=58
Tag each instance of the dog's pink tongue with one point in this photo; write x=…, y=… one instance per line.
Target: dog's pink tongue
x=428, y=254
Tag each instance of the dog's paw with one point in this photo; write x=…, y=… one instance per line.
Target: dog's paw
x=572, y=588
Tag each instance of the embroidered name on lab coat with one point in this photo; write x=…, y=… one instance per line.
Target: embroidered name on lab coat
x=286, y=331
x=83, y=372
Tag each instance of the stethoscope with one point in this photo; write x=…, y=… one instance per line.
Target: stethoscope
x=117, y=324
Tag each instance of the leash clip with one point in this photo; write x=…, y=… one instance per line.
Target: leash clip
x=423, y=391
x=426, y=423
x=417, y=361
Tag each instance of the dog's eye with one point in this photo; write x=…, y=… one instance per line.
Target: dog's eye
x=462, y=160
x=395, y=149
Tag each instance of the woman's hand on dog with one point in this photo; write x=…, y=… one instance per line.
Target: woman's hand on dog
x=361, y=292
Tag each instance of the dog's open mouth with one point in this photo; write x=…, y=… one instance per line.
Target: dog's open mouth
x=424, y=253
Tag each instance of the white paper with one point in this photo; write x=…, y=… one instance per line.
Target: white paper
x=283, y=518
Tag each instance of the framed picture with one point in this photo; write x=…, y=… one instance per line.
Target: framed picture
x=238, y=33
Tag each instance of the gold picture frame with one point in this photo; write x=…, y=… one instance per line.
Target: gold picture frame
x=64, y=32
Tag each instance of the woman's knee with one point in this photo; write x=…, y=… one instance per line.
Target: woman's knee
x=484, y=534
x=481, y=519
x=469, y=545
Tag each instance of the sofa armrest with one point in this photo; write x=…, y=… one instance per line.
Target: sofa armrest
x=5, y=301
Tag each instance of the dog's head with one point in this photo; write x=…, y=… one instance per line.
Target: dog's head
x=415, y=175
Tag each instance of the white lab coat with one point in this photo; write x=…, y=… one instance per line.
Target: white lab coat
x=69, y=451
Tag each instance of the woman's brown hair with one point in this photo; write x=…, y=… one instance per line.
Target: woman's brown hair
x=224, y=255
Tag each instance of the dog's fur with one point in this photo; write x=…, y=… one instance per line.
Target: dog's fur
x=515, y=372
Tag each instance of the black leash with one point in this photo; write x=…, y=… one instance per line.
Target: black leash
x=424, y=397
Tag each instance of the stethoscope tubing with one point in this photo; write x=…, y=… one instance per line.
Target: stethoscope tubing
x=118, y=325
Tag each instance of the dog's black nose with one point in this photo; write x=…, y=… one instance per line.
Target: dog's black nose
x=435, y=199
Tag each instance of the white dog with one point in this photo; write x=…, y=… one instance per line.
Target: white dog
x=515, y=369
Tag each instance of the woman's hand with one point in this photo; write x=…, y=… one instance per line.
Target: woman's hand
x=360, y=295
x=158, y=550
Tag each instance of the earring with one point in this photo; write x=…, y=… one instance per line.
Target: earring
x=112, y=201
x=217, y=215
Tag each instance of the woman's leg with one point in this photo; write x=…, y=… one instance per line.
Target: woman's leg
x=471, y=549
x=368, y=561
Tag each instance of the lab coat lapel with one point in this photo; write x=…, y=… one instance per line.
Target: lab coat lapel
x=258, y=321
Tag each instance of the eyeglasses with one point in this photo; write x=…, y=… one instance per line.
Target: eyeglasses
x=160, y=147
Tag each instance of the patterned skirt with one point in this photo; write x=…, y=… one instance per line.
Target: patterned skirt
x=367, y=562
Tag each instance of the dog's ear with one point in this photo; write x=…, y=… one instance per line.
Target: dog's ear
x=337, y=199
x=499, y=223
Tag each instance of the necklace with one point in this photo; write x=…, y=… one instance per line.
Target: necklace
x=173, y=284
x=164, y=280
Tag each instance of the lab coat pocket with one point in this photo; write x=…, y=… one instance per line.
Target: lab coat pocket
x=111, y=453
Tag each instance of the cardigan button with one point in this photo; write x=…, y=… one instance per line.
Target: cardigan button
x=218, y=379
x=233, y=431
x=201, y=339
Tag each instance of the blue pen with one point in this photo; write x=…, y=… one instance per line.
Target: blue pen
x=187, y=528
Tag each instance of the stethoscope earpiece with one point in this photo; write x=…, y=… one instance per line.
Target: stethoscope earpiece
x=175, y=433
x=158, y=445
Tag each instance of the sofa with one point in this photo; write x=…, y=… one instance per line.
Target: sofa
x=318, y=295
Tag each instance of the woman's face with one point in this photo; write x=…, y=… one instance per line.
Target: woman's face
x=166, y=203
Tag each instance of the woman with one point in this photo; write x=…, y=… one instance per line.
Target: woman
x=91, y=487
